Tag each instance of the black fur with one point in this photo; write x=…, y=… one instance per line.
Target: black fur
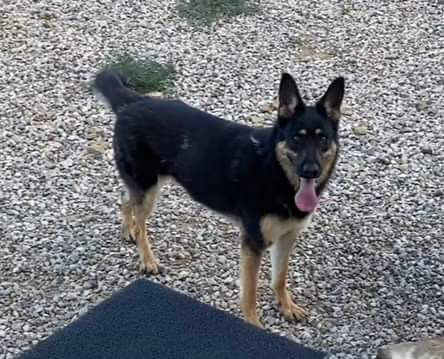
x=228, y=167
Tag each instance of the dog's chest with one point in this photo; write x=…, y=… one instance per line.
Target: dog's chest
x=273, y=227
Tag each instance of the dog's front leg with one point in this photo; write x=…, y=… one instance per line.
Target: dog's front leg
x=249, y=269
x=280, y=253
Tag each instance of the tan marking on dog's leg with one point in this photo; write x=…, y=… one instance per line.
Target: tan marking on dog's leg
x=126, y=208
x=148, y=262
x=249, y=269
x=280, y=253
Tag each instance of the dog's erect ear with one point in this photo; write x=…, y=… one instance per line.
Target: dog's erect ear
x=332, y=99
x=289, y=97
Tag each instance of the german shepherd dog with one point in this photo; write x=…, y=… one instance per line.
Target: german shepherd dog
x=268, y=180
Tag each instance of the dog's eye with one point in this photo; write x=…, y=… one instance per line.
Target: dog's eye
x=298, y=138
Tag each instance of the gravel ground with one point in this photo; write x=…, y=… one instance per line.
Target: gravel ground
x=370, y=269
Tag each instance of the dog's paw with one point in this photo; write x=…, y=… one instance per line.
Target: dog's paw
x=292, y=311
x=126, y=233
x=255, y=321
x=150, y=267
x=126, y=236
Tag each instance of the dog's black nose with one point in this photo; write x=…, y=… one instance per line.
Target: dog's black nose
x=311, y=170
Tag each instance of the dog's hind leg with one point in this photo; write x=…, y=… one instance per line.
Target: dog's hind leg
x=280, y=253
x=126, y=208
x=142, y=206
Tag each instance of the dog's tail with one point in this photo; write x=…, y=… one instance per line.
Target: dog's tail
x=112, y=86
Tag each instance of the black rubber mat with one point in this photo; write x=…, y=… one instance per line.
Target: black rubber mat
x=146, y=320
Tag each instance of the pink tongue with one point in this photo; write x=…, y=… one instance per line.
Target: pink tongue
x=306, y=199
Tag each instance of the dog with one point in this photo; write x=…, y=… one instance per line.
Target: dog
x=268, y=180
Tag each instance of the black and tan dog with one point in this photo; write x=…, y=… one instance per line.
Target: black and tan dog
x=268, y=179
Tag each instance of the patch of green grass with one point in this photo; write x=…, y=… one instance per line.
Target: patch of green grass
x=144, y=75
x=207, y=11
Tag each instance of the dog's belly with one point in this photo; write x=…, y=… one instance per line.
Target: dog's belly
x=209, y=190
x=215, y=201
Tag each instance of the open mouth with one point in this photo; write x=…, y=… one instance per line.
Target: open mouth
x=306, y=199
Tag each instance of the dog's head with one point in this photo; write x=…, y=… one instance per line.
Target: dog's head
x=307, y=143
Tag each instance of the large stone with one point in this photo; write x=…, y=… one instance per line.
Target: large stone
x=360, y=130
x=346, y=110
x=425, y=349
x=307, y=54
x=267, y=107
x=155, y=94
x=97, y=147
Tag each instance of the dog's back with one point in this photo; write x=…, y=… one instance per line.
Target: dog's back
x=156, y=137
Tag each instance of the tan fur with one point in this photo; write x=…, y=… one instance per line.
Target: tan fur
x=328, y=160
x=134, y=215
x=280, y=253
x=273, y=228
x=282, y=153
x=148, y=262
x=280, y=234
x=249, y=269
x=128, y=223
